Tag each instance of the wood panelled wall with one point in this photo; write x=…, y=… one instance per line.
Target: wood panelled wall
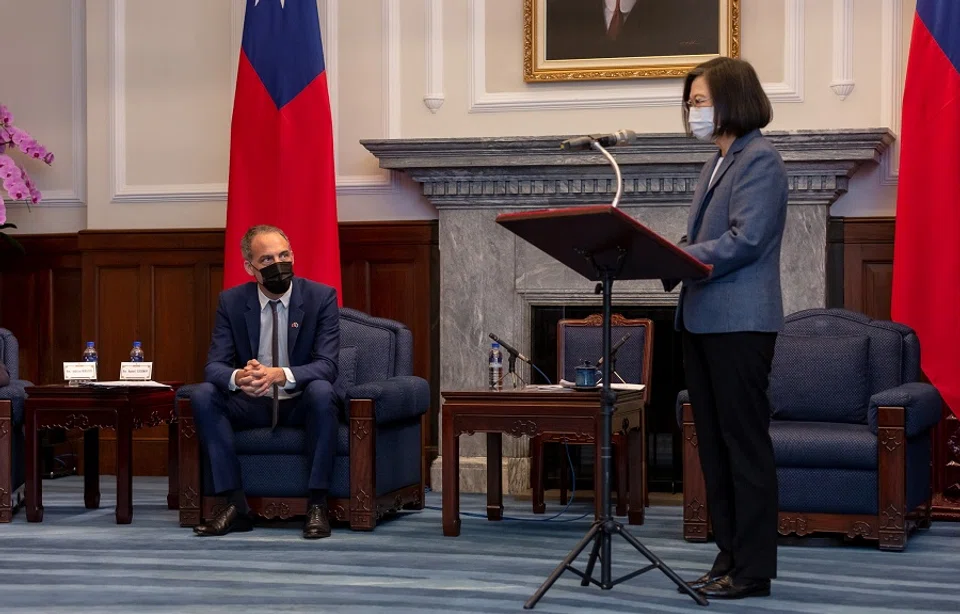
x=161, y=288
x=860, y=274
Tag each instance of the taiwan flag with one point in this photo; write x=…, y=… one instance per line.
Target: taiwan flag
x=281, y=141
x=926, y=263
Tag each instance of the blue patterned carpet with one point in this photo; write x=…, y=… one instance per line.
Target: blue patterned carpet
x=80, y=561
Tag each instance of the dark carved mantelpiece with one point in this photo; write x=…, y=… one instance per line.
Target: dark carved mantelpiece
x=490, y=280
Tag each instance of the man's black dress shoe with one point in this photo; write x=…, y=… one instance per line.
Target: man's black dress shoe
x=729, y=588
x=316, y=525
x=703, y=580
x=230, y=519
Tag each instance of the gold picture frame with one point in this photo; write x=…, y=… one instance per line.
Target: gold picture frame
x=621, y=55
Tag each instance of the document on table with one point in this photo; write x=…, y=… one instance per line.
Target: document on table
x=564, y=384
x=127, y=383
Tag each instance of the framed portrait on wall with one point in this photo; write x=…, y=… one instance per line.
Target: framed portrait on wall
x=585, y=40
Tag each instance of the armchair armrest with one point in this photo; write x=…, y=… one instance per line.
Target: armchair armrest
x=682, y=397
x=15, y=393
x=395, y=399
x=921, y=402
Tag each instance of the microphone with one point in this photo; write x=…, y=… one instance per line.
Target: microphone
x=617, y=346
x=620, y=137
x=509, y=348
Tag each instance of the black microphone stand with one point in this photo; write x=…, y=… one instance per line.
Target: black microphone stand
x=512, y=370
x=605, y=527
x=613, y=361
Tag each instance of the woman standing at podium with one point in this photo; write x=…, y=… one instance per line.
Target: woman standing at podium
x=729, y=321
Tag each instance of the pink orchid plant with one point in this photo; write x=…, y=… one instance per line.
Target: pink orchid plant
x=14, y=177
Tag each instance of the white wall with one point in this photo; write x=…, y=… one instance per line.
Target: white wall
x=135, y=96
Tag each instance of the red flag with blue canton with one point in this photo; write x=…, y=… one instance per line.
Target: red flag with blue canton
x=926, y=263
x=281, y=141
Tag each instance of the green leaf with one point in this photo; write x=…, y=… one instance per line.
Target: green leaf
x=13, y=242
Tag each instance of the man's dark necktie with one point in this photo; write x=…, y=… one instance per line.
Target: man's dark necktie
x=276, y=363
x=613, y=31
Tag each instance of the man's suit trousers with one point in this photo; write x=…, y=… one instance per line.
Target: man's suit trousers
x=218, y=414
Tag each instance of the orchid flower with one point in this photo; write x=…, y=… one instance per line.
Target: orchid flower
x=13, y=177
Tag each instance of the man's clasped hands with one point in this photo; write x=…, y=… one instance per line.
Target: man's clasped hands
x=257, y=380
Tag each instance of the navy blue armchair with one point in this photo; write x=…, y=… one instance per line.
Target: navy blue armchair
x=851, y=430
x=12, y=397
x=379, y=464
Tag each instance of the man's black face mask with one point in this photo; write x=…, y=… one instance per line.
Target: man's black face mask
x=277, y=277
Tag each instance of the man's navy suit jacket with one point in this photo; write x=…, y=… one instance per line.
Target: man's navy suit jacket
x=313, y=334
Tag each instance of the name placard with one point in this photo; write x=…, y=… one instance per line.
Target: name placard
x=79, y=371
x=136, y=371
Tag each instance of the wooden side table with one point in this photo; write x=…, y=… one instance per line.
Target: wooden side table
x=573, y=416
x=92, y=408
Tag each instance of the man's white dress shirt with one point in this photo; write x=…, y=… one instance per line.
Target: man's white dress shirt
x=264, y=352
x=610, y=6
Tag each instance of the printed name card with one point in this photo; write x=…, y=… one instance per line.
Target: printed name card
x=136, y=371
x=79, y=371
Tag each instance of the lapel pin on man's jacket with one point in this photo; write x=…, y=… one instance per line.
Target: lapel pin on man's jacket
x=294, y=325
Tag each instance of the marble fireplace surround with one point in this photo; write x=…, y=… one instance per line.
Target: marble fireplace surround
x=490, y=279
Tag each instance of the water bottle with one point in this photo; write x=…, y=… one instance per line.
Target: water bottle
x=90, y=354
x=136, y=354
x=496, y=367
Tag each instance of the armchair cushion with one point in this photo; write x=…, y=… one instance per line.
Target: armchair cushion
x=15, y=393
x=282, y=440
x=823, y=445
x=820, y=378
x=395, y=399
x=921, y=402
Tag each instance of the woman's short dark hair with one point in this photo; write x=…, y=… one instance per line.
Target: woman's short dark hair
x=739, y=103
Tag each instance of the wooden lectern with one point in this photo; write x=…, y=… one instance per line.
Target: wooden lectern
x=602, y=243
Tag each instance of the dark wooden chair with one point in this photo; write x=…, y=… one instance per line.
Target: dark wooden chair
x=580, y=340
x=851, y=428
x=12, y=397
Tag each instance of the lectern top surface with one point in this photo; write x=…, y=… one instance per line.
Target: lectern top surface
x=590, y=237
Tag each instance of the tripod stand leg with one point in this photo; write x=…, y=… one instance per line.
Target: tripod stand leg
x=588, y=572
x=633, y=541
x=571, y=557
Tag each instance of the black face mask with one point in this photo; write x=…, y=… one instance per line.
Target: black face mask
x=277, y=277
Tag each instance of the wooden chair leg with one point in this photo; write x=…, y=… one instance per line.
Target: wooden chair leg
x=891, y=469
x=536, y=474
x=190, y=497
x=363, y=486
x=564, y=476
x=6, y=461
x=643, y=457
x=620, y=455
x=696, y=526
x=635, y=449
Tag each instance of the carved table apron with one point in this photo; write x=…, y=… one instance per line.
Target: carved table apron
x=573, y=415
x=90, y=409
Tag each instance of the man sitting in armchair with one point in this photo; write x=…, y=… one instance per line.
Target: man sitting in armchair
x=272, y=360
